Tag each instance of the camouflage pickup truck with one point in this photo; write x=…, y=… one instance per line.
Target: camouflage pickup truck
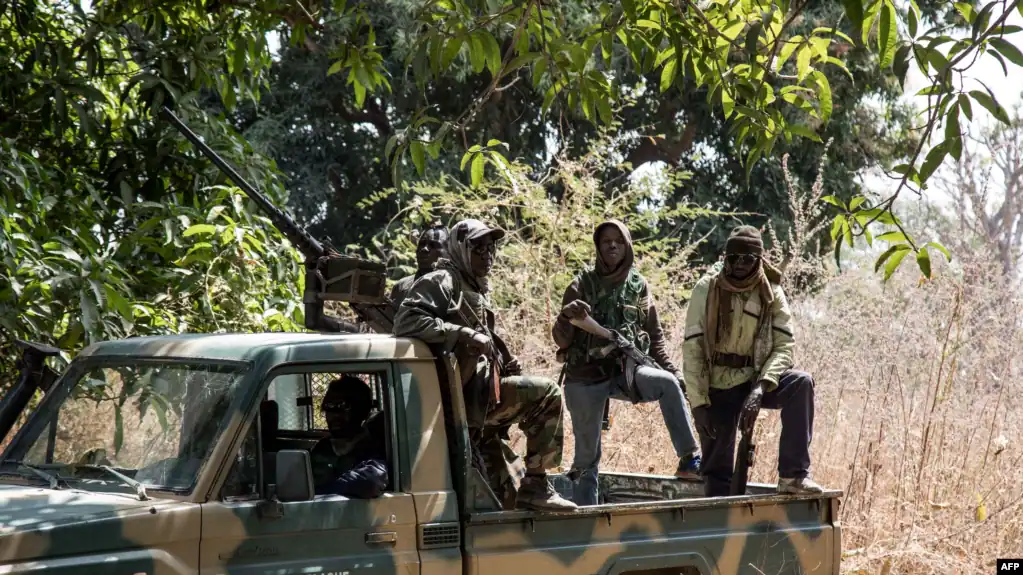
x=189, y=454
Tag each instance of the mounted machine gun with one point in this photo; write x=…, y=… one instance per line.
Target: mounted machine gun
x=329, y=276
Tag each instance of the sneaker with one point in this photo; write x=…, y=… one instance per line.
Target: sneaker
x=689, y=468
x=537, y=493
x=799, y=486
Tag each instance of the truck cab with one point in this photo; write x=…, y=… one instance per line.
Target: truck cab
x=190, y=454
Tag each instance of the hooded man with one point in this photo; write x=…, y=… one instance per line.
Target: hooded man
x=353, y=460
x=429, y=249
x=451, y=307
x=617, y=296
x=738, y=357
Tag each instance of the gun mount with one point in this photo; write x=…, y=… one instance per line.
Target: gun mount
x=329, y=276
x=34, y=374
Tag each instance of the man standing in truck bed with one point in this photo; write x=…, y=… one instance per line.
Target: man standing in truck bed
x=618, y=297
x=451, y=307
x=429, y=249
x=738, y=356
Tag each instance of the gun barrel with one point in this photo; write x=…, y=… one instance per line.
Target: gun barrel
x=296, y=235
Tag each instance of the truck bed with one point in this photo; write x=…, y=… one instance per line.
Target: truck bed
x=660, y=525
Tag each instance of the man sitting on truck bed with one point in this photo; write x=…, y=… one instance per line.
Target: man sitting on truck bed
x=451, y=307
x=618, y=297
x=429, y=249
x=738, y=353
x=352, y=461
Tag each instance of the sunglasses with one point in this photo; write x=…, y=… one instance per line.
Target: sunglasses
x=742, y=259
x=480, y=248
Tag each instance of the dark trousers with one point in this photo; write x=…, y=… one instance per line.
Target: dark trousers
x=793, y=396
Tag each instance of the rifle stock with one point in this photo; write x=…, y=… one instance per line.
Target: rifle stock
x=328, y=275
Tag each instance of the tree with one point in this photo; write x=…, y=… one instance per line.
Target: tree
x=986, y=188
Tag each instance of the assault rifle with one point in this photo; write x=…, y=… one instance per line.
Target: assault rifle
x=329, y=276
x=634, y=358
x=744, y=459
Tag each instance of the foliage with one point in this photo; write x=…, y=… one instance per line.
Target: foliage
x=110, y=225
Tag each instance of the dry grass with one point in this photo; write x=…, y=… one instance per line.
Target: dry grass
x=918, y=415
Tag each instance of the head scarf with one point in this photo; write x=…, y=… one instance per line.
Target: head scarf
x=718, y=319
x=459, y=256
x=613, y=277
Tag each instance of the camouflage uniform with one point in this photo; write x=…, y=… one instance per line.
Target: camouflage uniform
x=438, y=309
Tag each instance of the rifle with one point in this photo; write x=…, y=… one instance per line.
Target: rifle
x=329, y=276
x=634, y=358
x=743, y=461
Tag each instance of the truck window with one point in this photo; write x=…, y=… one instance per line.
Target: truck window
x=291, y=417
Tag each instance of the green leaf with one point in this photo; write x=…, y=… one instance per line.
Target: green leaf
x=834, y=201
x=912, y=22
x=477, y=170
x=200, y=229
x=868, y=19
x=923, y=259
x=477, y=57
x=991, y=104
x=664, y=56
x=800, y=130
x=900, y=65
x=751, y=39
x=522, y=60
x=838, y=226
x=933, y=160
x=668, y=74
x=787, y=48
x=493, y=52
x=887, y=34
x=1007, y=49
x=881, y=259
x=418, y=153
x=966, y=11
x=940, y=248
x=856, y=202
x=953, y=134
x=894, y=236
x=966, y=106
x=854, y=12
x=894, y=261
x=823, y=94
x=803, y=61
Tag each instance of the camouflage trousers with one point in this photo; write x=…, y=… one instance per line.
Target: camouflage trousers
x=534, y=403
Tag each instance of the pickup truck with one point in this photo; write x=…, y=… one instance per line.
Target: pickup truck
x=189, y=454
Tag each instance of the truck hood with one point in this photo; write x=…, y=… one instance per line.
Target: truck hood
x=38, y=523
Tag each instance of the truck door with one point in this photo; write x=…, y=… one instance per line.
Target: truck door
x=243, y=532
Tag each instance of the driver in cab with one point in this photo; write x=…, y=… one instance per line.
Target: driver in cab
x=353, y=461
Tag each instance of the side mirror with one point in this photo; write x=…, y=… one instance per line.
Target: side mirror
x=294, y=476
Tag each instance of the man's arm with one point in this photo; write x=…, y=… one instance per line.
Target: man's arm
x=784, y=340
x=563, y=330
x=694, y=361
x=658, y=347
x=422, y=311
x=366, y=481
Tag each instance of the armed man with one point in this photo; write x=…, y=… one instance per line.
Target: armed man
x=353, y=460
x=429, y=249
x=738, y=358
x=451, y=307
x=618, y=298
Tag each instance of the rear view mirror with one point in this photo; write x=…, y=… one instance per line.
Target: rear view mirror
x=294, y=476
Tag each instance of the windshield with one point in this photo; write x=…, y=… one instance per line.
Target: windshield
x=152, y=422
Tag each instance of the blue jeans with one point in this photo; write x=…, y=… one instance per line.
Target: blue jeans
x=585, y=403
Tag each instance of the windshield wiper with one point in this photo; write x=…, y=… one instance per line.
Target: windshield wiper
x=51, y=479
x=140, y=489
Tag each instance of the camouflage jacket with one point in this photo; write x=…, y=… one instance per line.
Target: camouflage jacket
x=771, y=342
x=400, y=289
x=437, y=309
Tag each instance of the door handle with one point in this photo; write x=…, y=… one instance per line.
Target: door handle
x=382, y=537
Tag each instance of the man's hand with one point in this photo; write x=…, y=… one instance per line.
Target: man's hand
x=512, y=367
x=476, y=342
x=577, y=309
x=701, y=417
x=751, y=408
